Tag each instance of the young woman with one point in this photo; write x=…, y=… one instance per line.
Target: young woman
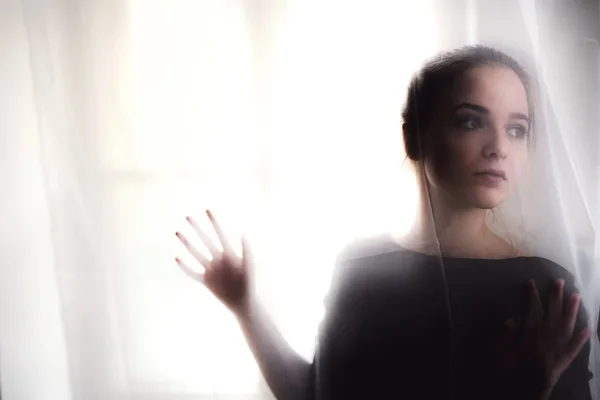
x=404, y=322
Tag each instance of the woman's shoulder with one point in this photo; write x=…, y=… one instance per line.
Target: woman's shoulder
x=542, y=267
x=364, y=255
x=367, y=248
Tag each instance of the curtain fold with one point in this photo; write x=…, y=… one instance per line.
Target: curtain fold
x=70, y=64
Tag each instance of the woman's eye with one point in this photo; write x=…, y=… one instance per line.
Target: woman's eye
x=517, y=131
x=470, y=123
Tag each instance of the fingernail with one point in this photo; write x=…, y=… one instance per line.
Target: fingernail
x=188, y=218
x=560, y=283
x=587, y=331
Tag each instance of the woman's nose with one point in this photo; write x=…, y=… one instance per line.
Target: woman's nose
x=497, y=145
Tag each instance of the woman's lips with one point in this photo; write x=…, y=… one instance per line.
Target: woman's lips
x=493, y=172
x=491, y=176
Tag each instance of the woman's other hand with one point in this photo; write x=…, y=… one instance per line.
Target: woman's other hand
x=226, y=275
x=547, y=346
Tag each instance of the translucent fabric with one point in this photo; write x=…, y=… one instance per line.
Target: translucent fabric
x=284, y=118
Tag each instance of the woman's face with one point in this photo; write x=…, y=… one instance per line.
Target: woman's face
x=480, y=146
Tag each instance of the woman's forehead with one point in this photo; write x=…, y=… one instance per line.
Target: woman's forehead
x=496, y=88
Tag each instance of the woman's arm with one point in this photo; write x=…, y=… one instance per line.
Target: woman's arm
x=227, y=276
x=287, y=374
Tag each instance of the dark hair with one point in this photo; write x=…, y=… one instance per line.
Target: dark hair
x=437, y=76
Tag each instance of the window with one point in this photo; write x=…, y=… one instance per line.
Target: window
x=297, y=140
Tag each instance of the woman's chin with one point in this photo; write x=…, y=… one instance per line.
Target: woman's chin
x=487, y=199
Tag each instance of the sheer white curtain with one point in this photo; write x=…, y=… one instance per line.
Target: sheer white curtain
x=282, y=117
x=277, y=116
x=556, y=208
x=565, y=43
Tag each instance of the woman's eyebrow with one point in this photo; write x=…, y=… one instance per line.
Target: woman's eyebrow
x=484, y=110
x=471, y=106
x=519, y=116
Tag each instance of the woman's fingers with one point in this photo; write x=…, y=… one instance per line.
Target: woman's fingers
x=570, y=316
x=536, y=312
x=555, y=305
x=575, y=347
x=551, y=345
x=246, y=252
x=190, y=272
x=204, y=238
x=506, y=342
x=227, y=248
x=205, y=262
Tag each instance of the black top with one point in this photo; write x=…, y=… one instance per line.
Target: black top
x=387, y=333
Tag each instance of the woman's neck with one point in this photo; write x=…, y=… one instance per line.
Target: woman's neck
x=453, y=230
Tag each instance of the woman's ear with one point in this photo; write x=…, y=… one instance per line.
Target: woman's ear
x=411, y=144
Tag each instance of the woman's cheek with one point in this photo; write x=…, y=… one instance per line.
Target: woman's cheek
x=520, y=164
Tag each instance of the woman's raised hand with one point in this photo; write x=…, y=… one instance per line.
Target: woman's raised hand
x=226, y=275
